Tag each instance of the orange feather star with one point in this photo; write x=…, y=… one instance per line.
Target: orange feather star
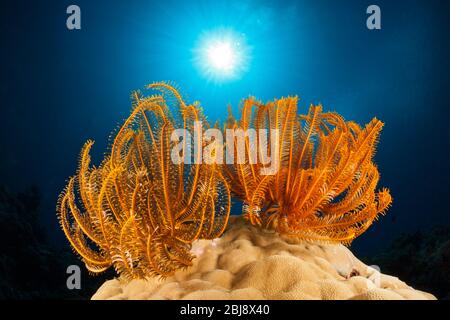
x=324, y=188
x=142, y=210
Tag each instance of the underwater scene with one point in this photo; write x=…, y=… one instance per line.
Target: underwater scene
x=225, y=150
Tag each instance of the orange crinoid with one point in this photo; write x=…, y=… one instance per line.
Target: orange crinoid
x=323, y=188
x=142, y=211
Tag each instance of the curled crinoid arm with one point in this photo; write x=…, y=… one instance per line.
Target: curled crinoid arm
x=141, y=210
x=324, y=188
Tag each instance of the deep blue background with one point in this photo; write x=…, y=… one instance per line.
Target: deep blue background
x=60, y=88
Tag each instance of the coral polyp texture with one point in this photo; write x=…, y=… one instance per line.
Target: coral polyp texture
x=324, y=185
x=139, y=210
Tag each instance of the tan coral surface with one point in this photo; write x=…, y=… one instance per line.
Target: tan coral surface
x=249, y=263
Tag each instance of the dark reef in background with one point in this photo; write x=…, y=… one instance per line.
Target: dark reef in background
x=420, y=259
x=30, y=267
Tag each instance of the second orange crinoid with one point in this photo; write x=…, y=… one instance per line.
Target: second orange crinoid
x=324, y=185
x=140, y=211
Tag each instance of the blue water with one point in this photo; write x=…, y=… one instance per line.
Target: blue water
x=60, y=88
